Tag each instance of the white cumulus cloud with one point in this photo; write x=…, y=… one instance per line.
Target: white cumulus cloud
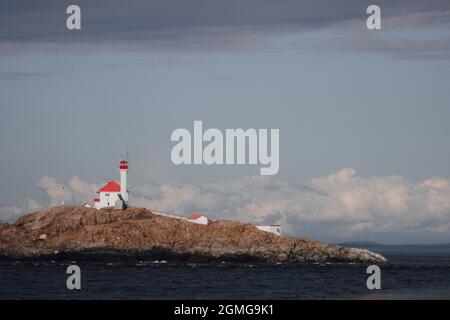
x=343, y=204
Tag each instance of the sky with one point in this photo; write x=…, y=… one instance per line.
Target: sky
x=363, y=115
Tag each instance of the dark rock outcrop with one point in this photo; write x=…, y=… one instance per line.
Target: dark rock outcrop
x=136, y=232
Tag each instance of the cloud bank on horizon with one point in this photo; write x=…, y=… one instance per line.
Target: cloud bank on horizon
x=342, y=205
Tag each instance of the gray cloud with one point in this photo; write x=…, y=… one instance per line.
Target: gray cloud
x=198, y=24
x=23, y=75
x=77, y=190
x=9, y=213
x=423, y=35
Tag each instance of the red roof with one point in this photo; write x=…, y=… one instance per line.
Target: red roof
x=195, y=216
x=111, y=186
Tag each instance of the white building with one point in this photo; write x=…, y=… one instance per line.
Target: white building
x=198, y=218
x=275, y=229
x=112, y=194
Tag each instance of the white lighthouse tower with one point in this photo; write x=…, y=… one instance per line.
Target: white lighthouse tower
x=123, y=168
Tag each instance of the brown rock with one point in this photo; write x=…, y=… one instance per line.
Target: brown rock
x=137, y=232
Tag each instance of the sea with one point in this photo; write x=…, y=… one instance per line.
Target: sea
x=410, y=275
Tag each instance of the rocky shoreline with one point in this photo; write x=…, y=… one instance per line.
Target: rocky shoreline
x=79, y=233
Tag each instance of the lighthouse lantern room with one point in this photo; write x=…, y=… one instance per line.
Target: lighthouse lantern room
x=113, y=194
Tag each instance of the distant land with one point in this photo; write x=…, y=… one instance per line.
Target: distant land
x=398, y=248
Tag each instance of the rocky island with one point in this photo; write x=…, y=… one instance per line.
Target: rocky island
x=80, y=232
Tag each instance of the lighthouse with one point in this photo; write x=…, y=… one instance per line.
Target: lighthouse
x=123, y=168
x=113, y=194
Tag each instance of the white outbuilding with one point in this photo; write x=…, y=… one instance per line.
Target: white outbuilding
x=198, y=218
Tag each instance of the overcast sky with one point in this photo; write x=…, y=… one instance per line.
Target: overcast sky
x=363, y=115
